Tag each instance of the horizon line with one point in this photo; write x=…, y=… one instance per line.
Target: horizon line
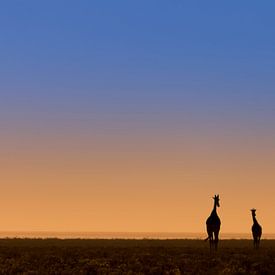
x=122, y=232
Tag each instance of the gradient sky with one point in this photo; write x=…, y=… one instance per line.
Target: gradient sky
x=131, y=115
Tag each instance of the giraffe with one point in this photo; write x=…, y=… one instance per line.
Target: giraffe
x=256, y=230
x=213, y=225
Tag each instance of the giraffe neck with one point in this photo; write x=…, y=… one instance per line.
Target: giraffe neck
x=214, y=211
x=254, y=219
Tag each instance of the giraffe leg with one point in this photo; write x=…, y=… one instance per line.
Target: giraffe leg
x=216, y=233
x=255, y=243
x=211, y=241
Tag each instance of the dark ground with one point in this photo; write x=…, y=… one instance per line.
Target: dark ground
x=53, y=256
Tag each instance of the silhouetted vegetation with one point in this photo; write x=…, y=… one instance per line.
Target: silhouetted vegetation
x=53, y=256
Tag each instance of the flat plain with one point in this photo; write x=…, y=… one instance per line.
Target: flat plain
x=118, y=256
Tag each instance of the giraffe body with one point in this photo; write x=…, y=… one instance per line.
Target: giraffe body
x=213, y=224
x=256, y=230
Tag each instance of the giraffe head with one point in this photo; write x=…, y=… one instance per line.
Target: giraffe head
x=253, y=210
x=217, y=200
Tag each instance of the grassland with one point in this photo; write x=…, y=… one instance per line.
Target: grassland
x=54, y=256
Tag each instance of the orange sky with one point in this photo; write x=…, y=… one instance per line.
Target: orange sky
x=152, y=181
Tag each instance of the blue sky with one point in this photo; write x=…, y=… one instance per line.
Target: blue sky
x=152, y=61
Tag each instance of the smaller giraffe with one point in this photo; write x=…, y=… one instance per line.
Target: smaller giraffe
x=256, y=230
x=213, y=224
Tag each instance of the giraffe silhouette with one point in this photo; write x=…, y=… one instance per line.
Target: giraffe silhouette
x=256, y=230
x=213, y=225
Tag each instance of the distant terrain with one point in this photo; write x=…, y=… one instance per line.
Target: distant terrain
x=77, y=256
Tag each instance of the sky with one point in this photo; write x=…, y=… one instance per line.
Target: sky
x=129, y=116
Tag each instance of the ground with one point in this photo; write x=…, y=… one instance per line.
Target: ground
x=53, y=256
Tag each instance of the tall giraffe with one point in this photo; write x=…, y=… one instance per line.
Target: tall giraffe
x=256, y=230
x=213, y=224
